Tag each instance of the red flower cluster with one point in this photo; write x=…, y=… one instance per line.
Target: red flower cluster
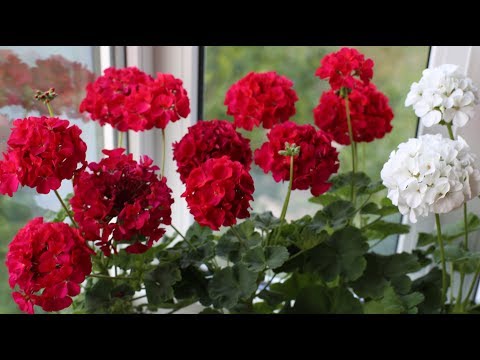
x=218, y=192
x=370, y=115
x=210, y=139
x=129, y=99
x=266, y=98
x=341, y=67
x=317, y=160
x=41, y=153
x=52, y=257
x=18, y=82
x=119, y=187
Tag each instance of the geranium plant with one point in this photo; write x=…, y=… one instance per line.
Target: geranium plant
x=108, y=250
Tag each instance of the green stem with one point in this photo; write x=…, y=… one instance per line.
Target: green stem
x=287, y=200
x=353, y=147
x=183, y=237
x=139, y=297
x=442, y=257
x=50, y=110
x=163, y=155
x=120, y=139
x=65, y=208
x=98, y=276
x=459, y=303
x=472, y=286
x=450, y=131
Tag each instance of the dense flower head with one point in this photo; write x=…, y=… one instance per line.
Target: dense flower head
x=46, y=263
x=344, y=67
x=317, y=160
x=219, y=192
x=129, y=99
x=210, y=139
x=121, y=200
x=370, y=114
x=443, y=93
x=42, y=151
x=431, y=174
x=261, y=98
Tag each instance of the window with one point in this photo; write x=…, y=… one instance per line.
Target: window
x=395, y=70
x=23, y=70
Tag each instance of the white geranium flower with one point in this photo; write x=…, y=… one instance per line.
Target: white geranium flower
x=431, y=174
x=443, y=93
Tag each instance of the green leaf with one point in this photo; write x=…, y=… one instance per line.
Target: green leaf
x=276, y=256
x=382, y=229
x=309, y=238
x=122, y=291
x=265, y=221
x=385, y=271
x=223, y=289
x=339, y=213
x=323, y=300
x=262, y=308
x=430, y=285
x=199, y=232
x=235, y=242
x=159, y=283
x=202, y=254
x=342, y=183
x=389, y=304
x=400, y=264
x=392, y=303
x=426, y=239
x=324, y=199
x=342, y=254
x=193, y=284
x=97, y=298
x=209, y=311
x=247, y=280
x=230, y=284
x=254, y=259
x=373, y=209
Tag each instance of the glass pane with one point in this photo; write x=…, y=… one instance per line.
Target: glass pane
x=395, y=69
x=23, y=70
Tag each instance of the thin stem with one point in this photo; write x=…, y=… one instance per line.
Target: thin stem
x=378, y=242
x=65, y=208
x=267, y=285
x=120, y=139
x=287, y=200
x=465, y=240
x=183, y=237
x=240, y=240
x=450, y=132
x=139, y=297
x=442, y=257
x=99, y=276
x=353, y=147
x=163, y=155
x=50, y=110
x=472, y=286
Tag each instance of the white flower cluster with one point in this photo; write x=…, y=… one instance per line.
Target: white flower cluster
x=443, y=93
x=431, y=174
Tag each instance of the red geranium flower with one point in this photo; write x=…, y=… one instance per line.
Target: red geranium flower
x=120, y=188
x=210, y=139
x=47, y=262
x=41, y=153
x=317, y=160
x=129, y=99
x=266, y=98
x=218, y=192
x=340, y=68
x=370, y=115
x=169, y=100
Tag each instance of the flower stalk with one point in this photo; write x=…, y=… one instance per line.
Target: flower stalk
x=442, y=259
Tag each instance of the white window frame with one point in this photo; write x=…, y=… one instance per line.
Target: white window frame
x=468, y=58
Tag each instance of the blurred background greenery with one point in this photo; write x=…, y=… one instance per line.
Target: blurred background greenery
x=396, y=68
